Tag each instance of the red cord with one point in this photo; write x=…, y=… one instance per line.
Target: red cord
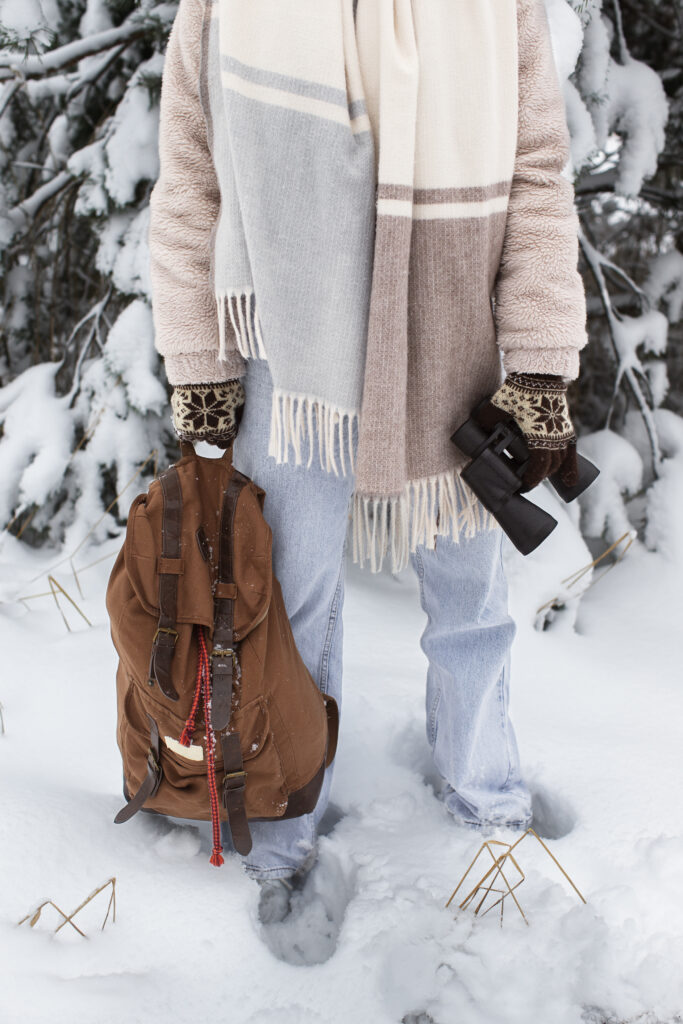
x=186, y=735
x=203, y=686
x=216, y=857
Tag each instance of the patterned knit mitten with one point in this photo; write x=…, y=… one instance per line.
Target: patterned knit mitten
x=538, y=405
x=208, y=412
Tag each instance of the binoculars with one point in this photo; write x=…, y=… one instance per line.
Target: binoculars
x=498, y=460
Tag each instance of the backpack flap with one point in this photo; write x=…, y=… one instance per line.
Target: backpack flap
x=203, y=483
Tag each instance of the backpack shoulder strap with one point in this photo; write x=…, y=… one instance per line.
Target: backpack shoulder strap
x=222, y=669
x=163, y=645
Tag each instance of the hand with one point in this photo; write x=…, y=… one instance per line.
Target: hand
x=538, y=405
x=208, y=412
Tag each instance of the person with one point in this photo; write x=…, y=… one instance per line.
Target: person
x=362, y=227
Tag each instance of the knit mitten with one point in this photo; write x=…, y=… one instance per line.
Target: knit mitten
x=208, y=412
x=538, y=405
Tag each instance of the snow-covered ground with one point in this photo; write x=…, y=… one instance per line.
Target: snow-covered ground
x=597, y=709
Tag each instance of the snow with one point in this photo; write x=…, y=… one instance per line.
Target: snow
x=24, y=16
x=135, y=129
x=638, y=109
x=92, y=197
x=596, y=692
x=665, y=283
x=128, y=354
x=97, y=18
x=35, y=448
x=566, y=34
x=596, y=703
x=621, y=474
x=624, y=97
x=649, y=330
x=123, y=252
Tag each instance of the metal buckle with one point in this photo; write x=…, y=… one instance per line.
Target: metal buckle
x=224, y=652
x=165, y=629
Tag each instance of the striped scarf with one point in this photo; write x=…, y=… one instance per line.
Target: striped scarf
x=366, y=153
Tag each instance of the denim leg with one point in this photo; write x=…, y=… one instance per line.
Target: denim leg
x=307, y=509
x=467, y=640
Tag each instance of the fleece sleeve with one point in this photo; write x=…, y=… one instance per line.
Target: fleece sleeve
x=540, y=303
x=184, y=207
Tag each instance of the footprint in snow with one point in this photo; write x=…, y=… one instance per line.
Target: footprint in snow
x=181, y=842
x=310, y=933
x=553, y=815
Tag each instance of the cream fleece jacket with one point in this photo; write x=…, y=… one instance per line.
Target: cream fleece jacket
x=538, y=295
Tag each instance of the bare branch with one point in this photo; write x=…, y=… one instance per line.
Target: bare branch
x=596, y=261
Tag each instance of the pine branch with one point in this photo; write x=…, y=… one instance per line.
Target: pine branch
x=40, y=65
x=25, y=211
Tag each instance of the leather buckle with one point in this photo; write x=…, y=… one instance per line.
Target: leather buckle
x=229, y=776
x=165, y=629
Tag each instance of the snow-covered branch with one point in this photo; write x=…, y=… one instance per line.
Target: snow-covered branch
x=626, y=335
x=13, y=65
x=24, y=212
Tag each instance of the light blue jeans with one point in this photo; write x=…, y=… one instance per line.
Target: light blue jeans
x=466, y=640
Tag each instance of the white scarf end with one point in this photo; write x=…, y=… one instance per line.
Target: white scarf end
x=302, y=422
x=391, y=528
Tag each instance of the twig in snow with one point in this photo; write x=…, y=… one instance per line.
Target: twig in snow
x=34, y=915
x=56, y=587
x=496, y=870
x=557, y=603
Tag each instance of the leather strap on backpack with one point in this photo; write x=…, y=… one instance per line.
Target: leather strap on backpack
x=163, y=646
x=150, y=783
x=222, y=671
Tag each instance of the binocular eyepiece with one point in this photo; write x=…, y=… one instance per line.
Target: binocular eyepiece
x=498, y=460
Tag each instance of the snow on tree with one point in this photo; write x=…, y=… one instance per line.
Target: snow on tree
x=83, y=404
x=81, y=399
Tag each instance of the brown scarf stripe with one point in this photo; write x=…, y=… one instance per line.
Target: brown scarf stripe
x=472, y=194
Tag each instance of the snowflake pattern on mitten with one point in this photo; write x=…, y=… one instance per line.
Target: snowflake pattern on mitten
x=539, y=406
x=208, y=412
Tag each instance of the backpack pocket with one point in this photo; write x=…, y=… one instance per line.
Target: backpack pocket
x=183, y=789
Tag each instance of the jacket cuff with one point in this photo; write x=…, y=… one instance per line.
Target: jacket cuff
x=561, y=361
x=203, y=367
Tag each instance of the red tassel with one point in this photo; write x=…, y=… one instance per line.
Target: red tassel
x=216, y=858
x=202, y=688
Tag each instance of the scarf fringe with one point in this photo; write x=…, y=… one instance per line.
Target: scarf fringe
x=240, y=304
x=439, y=505
x=297, y=419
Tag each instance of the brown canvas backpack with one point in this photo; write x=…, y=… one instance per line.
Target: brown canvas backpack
x=218, y=717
